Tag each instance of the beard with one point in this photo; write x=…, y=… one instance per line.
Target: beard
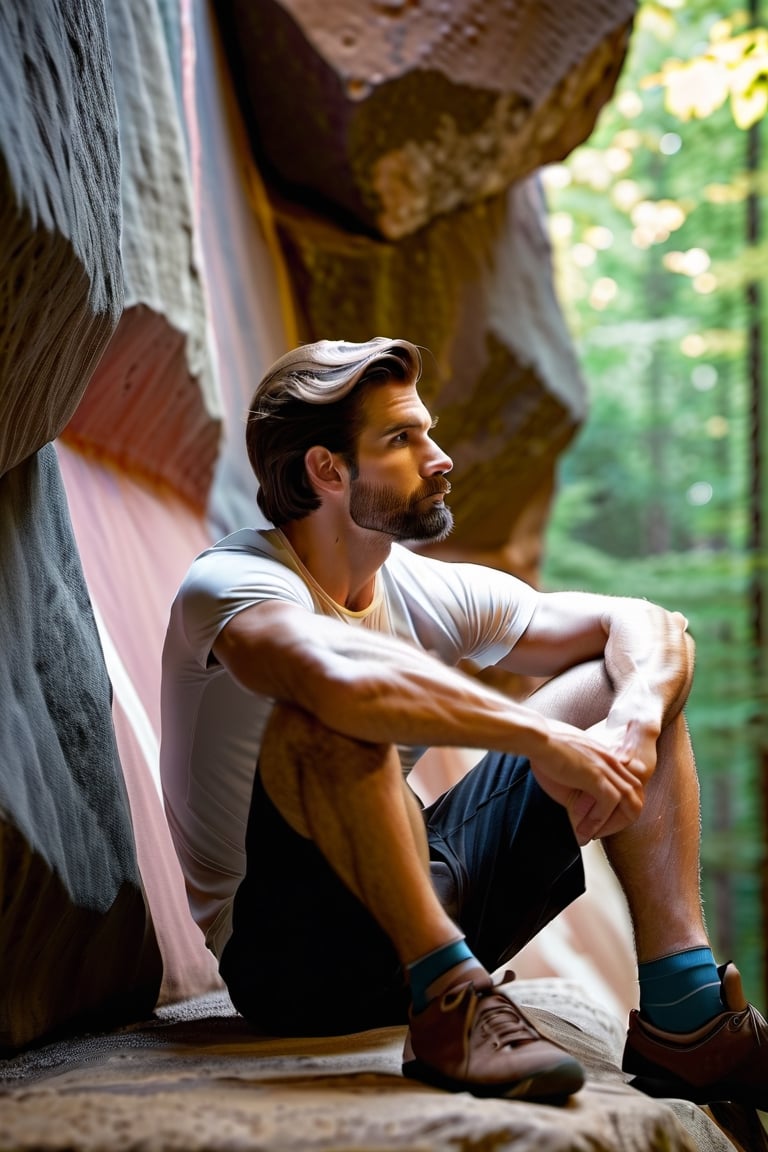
x=380, y=508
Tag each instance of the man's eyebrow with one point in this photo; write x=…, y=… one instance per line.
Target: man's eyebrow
x=406, y=425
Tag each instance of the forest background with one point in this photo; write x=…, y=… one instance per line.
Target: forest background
x=660, y=255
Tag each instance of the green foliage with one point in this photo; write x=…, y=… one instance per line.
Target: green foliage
x=658, y=495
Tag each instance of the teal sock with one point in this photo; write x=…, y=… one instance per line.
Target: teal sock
x=425, y=970
x=681, y=992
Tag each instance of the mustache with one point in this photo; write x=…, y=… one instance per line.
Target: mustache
x=438, y=486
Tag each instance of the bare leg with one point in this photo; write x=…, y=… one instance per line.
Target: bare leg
x=656, y=859
x=351, y=800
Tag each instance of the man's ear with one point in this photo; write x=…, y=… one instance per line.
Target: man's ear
x=323, y=470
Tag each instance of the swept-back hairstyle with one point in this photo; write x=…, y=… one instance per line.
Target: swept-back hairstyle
x=313, y=396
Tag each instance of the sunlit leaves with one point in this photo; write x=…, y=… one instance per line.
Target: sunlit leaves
x=749, y=92
x=657, y=19
x=734, y=68
x=655, y=220
x=694, y=88
x=626, y=194
x=690, y=263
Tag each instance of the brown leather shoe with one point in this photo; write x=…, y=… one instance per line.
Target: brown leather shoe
x=726, y=1059
x=476, y=1040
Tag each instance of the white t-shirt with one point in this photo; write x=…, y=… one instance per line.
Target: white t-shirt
x=211, y=727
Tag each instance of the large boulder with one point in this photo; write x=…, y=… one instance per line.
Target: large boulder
x=396, y=112
x=76, y=943
x=196, y=1079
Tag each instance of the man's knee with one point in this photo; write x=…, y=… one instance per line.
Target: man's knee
x=298, y=751
x=294, y=736
x=581, y=696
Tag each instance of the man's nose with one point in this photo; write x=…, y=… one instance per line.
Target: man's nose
x=439, y=461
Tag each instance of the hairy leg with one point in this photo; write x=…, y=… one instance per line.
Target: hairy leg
x=656, y=859
x=351, y=800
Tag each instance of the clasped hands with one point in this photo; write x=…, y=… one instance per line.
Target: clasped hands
x=598, y=775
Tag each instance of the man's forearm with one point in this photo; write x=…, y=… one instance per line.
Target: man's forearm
x=410, y=698
x=371, y=686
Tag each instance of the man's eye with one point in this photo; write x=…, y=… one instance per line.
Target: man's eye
x=401, y=438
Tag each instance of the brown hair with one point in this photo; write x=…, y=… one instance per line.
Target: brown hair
x=313, y=396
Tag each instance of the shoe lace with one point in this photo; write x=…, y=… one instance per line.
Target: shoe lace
x=758, y=1023
x=500, y=1023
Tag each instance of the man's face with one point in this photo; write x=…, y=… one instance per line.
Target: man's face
x=400, y=482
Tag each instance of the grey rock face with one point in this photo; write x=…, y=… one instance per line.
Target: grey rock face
x=62, y=280
x=75, y=940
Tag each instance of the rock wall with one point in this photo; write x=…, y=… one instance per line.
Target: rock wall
x=75, y=938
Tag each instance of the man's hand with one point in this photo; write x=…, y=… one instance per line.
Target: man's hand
x=598, y=776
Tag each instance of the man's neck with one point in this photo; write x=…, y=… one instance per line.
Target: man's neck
x=344, y=563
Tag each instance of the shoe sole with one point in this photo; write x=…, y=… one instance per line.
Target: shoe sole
x=661, y=1087
x=552, y=1085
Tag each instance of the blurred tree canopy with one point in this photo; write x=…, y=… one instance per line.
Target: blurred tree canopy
x=659, y=254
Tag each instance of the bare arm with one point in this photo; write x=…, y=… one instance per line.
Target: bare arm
x=647, y=650
x=369, y=685
x=376, y=688
x=648, y=656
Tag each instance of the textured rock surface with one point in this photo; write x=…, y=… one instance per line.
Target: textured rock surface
x=203, y=1083
x=153, y=404
x=74, y=934
x=397, y=112
x=475, y=288
x=61, y=286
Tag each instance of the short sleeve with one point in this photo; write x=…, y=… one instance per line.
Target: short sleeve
x=222, y=583
x=461, y=611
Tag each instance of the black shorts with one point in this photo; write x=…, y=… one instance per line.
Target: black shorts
x=305, y=956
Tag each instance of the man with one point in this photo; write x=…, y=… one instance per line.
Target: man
x=305, y=667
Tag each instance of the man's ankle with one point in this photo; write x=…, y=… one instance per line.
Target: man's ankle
x=682, y=991
x=465, y=972
x=443, y=968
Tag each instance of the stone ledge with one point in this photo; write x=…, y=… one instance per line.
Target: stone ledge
x=194, y=1078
